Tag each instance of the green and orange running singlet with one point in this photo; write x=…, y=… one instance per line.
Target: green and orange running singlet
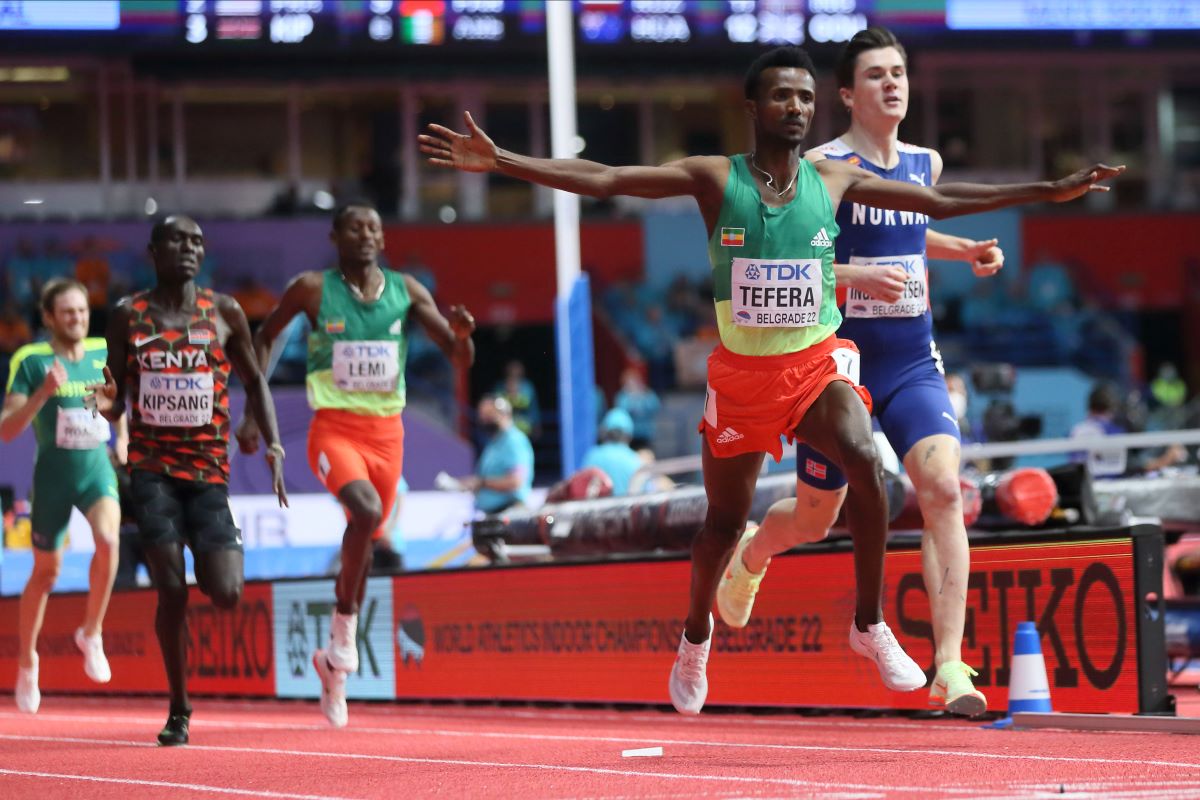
x=179, y=381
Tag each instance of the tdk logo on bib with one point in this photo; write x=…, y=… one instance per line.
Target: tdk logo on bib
x=366, y=350
x=781, y=272
x=179, y=383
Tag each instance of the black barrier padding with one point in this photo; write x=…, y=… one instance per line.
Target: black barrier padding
x=1153, y=697
x=661, y=522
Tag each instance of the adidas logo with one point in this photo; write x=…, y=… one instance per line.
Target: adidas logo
x=821, y=239
x=729, y=435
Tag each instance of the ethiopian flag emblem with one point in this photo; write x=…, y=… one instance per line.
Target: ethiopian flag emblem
x=733, y=237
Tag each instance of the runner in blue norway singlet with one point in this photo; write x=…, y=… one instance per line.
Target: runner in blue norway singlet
x=900, y=366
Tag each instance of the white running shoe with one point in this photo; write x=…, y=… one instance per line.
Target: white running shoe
x=333, y=690
x=738, y=586
x=899, y=672
x=689, y=683
x=27, y=693
x=343, y=642
x=95, y=664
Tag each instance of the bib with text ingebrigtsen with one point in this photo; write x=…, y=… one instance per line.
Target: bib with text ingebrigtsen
x=914, y=299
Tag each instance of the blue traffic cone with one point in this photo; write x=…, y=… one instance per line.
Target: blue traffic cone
x=1028, y=687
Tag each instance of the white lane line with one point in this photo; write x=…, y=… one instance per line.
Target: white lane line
x=459, y=762
x=194, y=787
x=599, y=714
x=709, y=743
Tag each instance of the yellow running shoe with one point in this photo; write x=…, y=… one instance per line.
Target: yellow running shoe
x=952, y=690
x=738, y=586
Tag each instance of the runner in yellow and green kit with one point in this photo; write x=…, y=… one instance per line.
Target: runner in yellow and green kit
x=47, y=382
x=356, y=355
x=778, y=371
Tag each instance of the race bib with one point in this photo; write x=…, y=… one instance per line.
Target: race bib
x=176, y=399
x=914, y=300
x=775, y=293
x=847, y=361
x=367, y=366
x=77, y=429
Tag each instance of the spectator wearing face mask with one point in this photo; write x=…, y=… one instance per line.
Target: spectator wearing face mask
x=503, y=475
x=957, y=389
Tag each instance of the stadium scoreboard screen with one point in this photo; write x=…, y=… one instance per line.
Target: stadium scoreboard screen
x=520, y=25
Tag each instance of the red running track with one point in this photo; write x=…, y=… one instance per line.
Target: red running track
x=104, y=748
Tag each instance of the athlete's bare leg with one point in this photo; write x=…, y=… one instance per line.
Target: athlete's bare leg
x=105, y=518
x=168, y=573
x=366, y=513
x=839, y=426
x=791, y=522
x=729, y=483
x=32, y=609
x=932, y=465
x=221, y=575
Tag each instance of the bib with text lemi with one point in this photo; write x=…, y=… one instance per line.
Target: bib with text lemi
x=80, y=429
x=366, y=366
x=176, y=399
x=775, y=293
x=914, y=300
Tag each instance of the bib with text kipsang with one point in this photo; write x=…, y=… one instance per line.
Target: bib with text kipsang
x=176, y=399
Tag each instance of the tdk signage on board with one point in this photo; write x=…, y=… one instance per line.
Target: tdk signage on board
x=302, y=615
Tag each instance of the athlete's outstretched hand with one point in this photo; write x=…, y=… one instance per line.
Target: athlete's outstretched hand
x=473, y=151
x=101, y=396
x=247, y=435
x=986, y=257
x=1084, y=181
x=275, y=462
x=461, y=322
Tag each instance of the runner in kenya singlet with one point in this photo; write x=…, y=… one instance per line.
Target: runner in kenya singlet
x=179, y=379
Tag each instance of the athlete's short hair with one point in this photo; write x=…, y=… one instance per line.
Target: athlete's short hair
x=341, y=212
x=796, y=57
x=1103, y=399
x=164, y=224
x=57, y=286
x=875, y=38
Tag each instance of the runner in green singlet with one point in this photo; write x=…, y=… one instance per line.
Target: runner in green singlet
x=356, y=355
x=46, y=385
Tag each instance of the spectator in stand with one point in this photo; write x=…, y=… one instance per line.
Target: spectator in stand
x=20, y=271
x=656, y=342
x=14, y=329
x=642, y=405
x=1103, y=404
x=522, y=396
x=613, y=454
x=255, y=299
x=685, y=307
x=29, y=270
x=956, y=386
x=1168, y=396
x=503, y=475
x=93, y=271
